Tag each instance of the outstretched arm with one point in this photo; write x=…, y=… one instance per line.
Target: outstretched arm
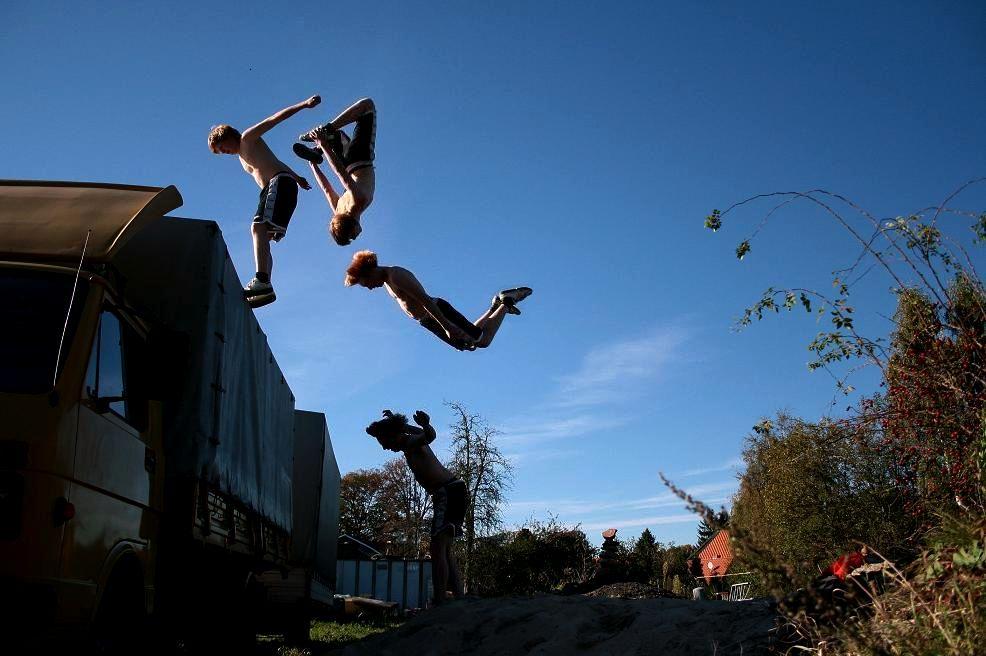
x=257, y=130
x=425, y=435
x=339, y=167
x=323, y=182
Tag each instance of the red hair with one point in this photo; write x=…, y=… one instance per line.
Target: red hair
x=363, y=261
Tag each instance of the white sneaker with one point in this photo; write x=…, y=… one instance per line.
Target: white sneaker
x=257, y=288
x=262, y=300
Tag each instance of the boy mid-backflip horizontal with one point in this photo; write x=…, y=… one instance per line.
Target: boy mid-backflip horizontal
x=435, y=314
x=278, y=191
x=352, y=162
x=449, y=497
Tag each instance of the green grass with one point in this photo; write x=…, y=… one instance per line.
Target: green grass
x=334, y=634
x=328, y=637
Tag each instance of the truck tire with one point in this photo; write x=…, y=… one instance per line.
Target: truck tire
x=298, y=625
x=120, y=620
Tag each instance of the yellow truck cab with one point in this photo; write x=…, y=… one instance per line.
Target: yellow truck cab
x=146, y=431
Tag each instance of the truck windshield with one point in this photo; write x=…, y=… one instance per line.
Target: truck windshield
x=34, y=307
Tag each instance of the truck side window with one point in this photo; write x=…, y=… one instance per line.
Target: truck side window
x=113, y=368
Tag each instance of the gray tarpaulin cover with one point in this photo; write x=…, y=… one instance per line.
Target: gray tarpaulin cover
x=233, y=418
x=316, y=496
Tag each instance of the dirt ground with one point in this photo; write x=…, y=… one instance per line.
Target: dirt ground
x=563, y=625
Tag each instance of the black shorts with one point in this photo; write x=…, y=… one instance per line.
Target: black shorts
x=455, y=317
x=277, y=202
x=449, y=504
x=359, y=152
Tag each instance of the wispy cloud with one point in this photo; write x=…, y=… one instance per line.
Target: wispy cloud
x=612, y=372
x=732, y=464
x=710, y=493
x=642, y=522
x=635, y=513
x=590, y=399
x=528, y=457
x=529, y=430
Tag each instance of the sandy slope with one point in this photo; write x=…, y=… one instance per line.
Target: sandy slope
x=576, y=624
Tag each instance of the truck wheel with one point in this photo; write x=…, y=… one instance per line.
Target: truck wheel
x=121, y=616
x=298, y=626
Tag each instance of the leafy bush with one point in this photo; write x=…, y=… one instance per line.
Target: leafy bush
x=937, y=605
x=810, y=492
x=540, y=557
x=931, y=416
x=905, y=471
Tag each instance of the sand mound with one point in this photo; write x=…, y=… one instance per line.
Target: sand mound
x=629, y=591
x=550, y=625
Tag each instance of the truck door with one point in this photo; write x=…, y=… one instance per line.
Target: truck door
x=113, y=466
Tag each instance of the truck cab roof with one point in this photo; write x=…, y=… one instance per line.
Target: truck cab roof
x=52, y=221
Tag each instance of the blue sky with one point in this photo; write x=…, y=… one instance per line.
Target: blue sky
x=570, y=146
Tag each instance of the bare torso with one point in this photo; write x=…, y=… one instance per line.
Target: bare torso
x=366, y=181
x=407, y=302
x=428, y=470
x=259, y=162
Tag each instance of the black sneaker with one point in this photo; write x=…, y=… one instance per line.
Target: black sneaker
x=312, y=155
x=496, y=302
x=323, y=131
x=511, y=297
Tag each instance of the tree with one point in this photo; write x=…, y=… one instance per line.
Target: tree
x=539, y=557
x=812, y=491
x=674, y=565
x=361, y=512
x=644, y=558
x=934, y=371
x=932, y=413
x=407, y=510
x=487, y=473
x=926, y=429
x=708, y=529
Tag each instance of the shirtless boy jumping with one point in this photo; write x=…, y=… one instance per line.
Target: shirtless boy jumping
x=278, y=191
x=449, y=497
x=352, y=162
x=435, y=314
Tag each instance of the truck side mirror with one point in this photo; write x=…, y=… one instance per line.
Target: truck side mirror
x=101, y=404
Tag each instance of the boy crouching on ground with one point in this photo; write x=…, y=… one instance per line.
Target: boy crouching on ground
x=449, y=497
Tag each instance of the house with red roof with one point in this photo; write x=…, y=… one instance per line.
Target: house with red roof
x=713, y=559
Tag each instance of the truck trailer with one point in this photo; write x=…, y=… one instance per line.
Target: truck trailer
x=155, y=476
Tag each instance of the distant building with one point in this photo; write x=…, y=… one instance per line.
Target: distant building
x=713, y=559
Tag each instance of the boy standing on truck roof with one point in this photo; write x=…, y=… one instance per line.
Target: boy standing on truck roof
x=352, y=162
x=278, y=191
x=449, y=497
x=434, y=314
